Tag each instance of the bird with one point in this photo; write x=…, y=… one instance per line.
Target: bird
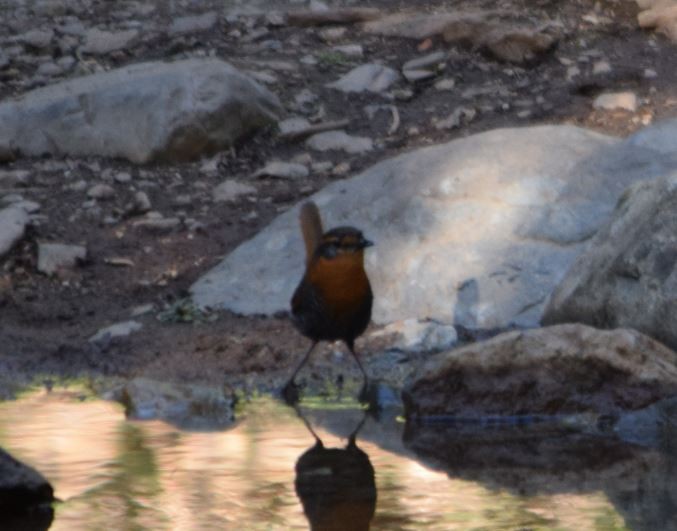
x=333, y=300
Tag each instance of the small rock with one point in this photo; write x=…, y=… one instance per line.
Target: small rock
x=210, y=166
x=55, y=256
x=230, y=190
x=322, y=167
x=263, y=77
x=341, y=169
x=155, y=224
x=340, y=141
x=616, y=100
x=425, y=61
x=366, y=78
x=332, y=34
x=417, y=75
x=276, y=19
x=305, y=98
x=13, y=221
x=123, y=177
x=650, y=73
x=412, y=335
x=101, y=192
x=122, y=329
x=308, y=60
x=601, y=67
x=141, y=203
x=98, y=42
x=78, y=186
x=572, y=72
x=193, y=24
x=350, y=50
x=37, y=38
x=318, y=7
x=456, y=118
x=14, y=178
x=282, y=170
x=49, y=69
x=186, y=406
x=142, y=309
x=292, y=125
x=182, y=200
x=445, y=84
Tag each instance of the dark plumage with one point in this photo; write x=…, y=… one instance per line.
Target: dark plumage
x=333, y=300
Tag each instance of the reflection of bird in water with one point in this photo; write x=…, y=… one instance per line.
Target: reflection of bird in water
x=333, y=300
x=336, y=486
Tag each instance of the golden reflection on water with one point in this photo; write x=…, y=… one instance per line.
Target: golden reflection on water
x=115, y=474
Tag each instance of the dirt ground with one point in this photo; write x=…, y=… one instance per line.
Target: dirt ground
x=46, y=321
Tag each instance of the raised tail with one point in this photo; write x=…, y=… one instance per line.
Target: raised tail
x=311, y=228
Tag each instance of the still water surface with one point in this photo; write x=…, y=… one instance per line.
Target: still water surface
x=111, y=473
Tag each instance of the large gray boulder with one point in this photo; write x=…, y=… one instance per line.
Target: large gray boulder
x=628, y=275
x=563, y=369
x=149, y=111
x=476, y=232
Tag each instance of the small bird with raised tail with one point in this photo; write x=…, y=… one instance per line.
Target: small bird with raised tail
x=334, y=298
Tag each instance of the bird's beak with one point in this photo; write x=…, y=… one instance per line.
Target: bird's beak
x=367, y=243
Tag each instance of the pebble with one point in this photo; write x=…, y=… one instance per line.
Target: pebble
x=116, y=330
x=123, y=177
x=231, y=189
x=456, y=118
x=37, y=38
x=101, y=191
x=412, y=335
x=370, y=77
x=141, y=203
x=292, y=125
x=282, y=170
x=98, y=42
x=349, y=50
x=339, y=141
x=193, y=23
x=55, y=256
x=332, y=34
x=616, y=100
x=445, y=84
x=601, y=67
x=322, y=167
x=425, y=61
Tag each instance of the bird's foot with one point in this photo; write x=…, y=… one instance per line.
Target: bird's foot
x=290, y=393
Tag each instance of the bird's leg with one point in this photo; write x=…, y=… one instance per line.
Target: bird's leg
x=365, y=386
x=289, y=391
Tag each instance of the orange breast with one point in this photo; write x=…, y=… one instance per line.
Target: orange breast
x=342, y=282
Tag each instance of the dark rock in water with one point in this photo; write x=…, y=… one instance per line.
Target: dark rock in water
x=627, y=277
x=185, y=406
x=654, y=426
x=562, y=369
x=530, y=461
x=526, y=460
x=25, y=496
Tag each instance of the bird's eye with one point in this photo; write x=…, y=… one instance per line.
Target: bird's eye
x=329, y=251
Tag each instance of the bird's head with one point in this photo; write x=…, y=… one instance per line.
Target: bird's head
x=342, y=242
